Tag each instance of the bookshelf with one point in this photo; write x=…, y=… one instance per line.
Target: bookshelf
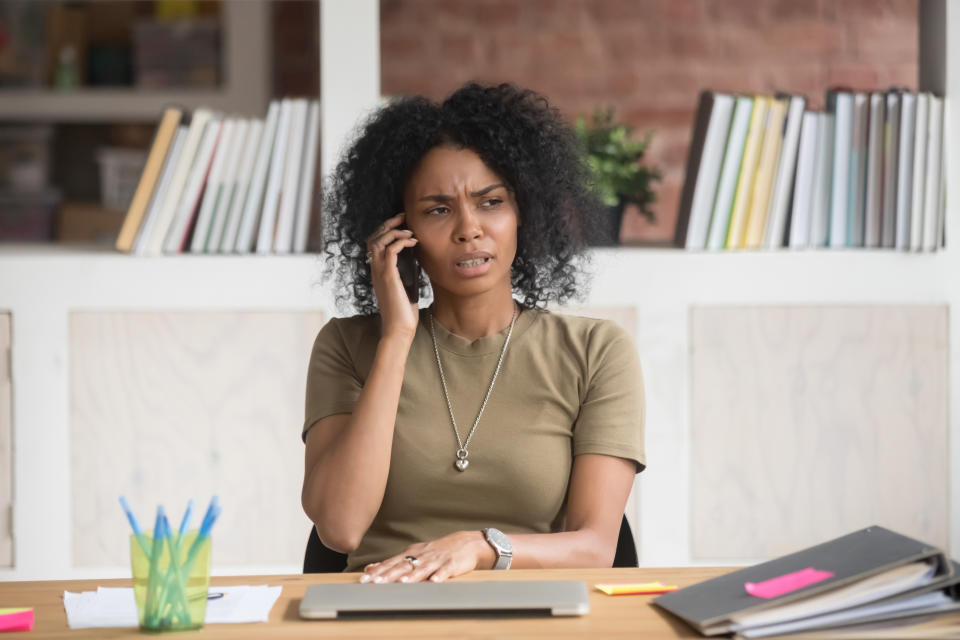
x=244, y=90
x=42, y=285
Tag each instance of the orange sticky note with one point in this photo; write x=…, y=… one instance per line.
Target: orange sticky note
x=632, y=588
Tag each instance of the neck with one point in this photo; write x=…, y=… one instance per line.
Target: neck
x=474, y=317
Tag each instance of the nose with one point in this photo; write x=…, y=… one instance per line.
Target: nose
x=467, y=227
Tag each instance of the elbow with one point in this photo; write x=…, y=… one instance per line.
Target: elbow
x=340, y=542
x=331, y=530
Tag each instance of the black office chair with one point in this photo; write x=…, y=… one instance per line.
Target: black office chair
x=321, y=559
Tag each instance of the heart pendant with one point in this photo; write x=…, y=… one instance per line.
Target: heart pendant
x=461, y=465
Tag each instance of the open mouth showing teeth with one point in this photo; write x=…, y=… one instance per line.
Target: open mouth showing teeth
x=472, y=263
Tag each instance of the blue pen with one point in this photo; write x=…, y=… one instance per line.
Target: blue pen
x=186, y=518
x=135, y=525
x=212, y=514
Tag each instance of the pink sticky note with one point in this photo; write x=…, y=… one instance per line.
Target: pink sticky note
x=786, y=583
x=16, y=619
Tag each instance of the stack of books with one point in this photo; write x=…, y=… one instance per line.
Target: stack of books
x=225, y=184
x=872, y=583
x=766, y=172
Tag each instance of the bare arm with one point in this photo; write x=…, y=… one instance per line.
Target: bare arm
x=599, y=487
x=347, y=456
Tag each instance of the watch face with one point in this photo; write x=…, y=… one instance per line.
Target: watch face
x=499, y=540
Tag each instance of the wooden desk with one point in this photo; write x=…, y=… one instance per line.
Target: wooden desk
x=609, y=617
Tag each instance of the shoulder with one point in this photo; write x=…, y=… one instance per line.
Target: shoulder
x=589, y=334
x=349, y=332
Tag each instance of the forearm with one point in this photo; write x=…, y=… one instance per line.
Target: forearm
x=345, y=487
x=584, y=548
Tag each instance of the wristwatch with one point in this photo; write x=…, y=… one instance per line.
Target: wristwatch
x=501, y=544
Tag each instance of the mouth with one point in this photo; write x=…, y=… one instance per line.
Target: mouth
x=473, y=264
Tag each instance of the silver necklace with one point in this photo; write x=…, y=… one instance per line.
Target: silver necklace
x=461, y=462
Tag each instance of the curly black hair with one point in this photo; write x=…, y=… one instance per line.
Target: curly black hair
x=518, y=135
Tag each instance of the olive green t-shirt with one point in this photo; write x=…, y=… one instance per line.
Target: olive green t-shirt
x=568, y=385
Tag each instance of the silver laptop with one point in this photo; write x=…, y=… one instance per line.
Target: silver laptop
x=541, y=597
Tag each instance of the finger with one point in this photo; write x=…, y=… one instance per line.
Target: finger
x=394, y=248
x=386, y=225
x=368, y=570
x=398, y=565
x=405, y=571
x=444, y=571
x=384, y=239
x=374, y=572
x=425, y=569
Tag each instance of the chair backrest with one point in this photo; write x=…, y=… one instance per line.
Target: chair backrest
x=321, y=559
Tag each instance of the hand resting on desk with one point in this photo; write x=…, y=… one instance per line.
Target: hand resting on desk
x=447, y=557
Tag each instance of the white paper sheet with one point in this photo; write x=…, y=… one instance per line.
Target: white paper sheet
x=109, y=607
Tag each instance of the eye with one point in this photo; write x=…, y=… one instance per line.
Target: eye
x=489, y=203
x=438, y=210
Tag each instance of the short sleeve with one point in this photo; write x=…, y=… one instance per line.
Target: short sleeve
x=612, y=412
x=333, y=385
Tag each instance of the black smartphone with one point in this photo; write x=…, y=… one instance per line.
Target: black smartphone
x=409, y=270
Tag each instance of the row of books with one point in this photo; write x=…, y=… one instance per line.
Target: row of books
x=766, y=172
x=225, y=184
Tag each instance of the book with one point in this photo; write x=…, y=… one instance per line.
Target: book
x=179, y=233
x=706, y=154
x=748, y=170
x=840, y=103
x=703, y=118
x=919, y=171
x=271, y=200
x=228, y=186
x=871, y=565
x=213, y=191
x=908, y=123
x=156, y=159
x=254, y=200
x=766, y=173
x=168, y=208
x=803, y=191
x=891, y=158
x=307, y=178
x=873, y=203
x=283, y=235
x=931, y=199
x=858, y=170
x=160, y=193
x=730, y=171
x=823, y=182
x=779, y=208
x=245, y=172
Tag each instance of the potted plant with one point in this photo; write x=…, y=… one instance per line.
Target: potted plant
x=619, y=178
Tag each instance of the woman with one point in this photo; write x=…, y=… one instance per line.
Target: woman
x=481, y=432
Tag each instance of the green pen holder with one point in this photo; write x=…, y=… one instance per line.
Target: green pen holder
x=170, y=583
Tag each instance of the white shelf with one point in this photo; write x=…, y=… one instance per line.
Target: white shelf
x=114, y=105
x=245, y=89
x=79, y=278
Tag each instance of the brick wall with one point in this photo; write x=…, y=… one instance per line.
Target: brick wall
x=648, y=58
x=296, y=48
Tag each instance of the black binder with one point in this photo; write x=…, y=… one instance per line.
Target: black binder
x=708, y=606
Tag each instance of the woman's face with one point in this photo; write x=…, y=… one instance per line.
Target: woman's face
x=465, y=219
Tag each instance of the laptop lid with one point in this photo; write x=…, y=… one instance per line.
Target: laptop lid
x=539, y=597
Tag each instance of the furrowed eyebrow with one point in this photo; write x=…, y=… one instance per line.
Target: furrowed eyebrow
x=442, y=197
x=486, y=190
